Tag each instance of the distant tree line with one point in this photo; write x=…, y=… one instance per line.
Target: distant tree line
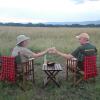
x=47, y=25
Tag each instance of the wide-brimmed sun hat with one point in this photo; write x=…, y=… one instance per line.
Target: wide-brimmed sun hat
x=84, y=35
x=21, y=38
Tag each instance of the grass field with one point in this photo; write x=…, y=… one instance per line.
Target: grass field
x=42, y=38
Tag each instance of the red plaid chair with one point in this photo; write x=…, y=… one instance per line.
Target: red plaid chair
x=90, y=69
x=8, y=69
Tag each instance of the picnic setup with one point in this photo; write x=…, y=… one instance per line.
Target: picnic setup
x=49, y=73
x=9, y=70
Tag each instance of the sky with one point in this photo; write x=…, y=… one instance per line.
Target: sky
x=37, y=11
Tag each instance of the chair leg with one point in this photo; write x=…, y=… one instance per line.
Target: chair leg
x=20, y=87
x=74, y=76
x=67, y=73
x=33, y=80
x=33, y=71
x=77, y=82
x=94, y=80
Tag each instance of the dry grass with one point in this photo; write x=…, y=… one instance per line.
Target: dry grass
x=42, y=38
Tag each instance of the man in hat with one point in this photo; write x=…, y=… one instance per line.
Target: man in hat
x=86, y=48
x=21, y=47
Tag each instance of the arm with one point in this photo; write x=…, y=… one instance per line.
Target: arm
x=40, y=53
x=27, y=53
x=68, y=56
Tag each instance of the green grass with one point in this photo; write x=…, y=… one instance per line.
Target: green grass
x=42, y=38
x=85, y=91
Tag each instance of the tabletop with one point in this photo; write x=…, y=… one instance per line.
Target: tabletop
x=56, y=67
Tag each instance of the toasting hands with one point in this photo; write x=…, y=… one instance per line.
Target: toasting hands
x=52, y=50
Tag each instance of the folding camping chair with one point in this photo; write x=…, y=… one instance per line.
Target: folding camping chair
x=86, y=70
x=9, y=71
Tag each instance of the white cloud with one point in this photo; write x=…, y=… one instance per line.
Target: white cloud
x=83, y=1
x=49, y=10
x=22, y=20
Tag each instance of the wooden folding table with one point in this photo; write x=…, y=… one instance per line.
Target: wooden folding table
x=51, y=73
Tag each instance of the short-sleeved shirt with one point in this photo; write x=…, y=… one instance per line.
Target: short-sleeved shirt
x=24, y=52
x=83, y=50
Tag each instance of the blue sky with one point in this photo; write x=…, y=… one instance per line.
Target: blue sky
x=49, y=10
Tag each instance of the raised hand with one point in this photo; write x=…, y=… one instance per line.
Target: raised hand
x=52, y=50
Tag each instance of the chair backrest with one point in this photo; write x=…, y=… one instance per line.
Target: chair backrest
x=28, y=67
x=18, y=59
x=71, y=62
x=8, y=68
x=90, y=69
x=89, y=52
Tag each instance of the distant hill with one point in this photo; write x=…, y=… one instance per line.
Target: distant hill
x=55, y=24
x=70, y=23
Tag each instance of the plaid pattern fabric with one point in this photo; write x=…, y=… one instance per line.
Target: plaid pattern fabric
x=90, y=69
x=8, y=69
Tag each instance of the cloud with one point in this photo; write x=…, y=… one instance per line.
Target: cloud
x=82, y=1
x=78, y=1
x=93, y=0
x=49, y=10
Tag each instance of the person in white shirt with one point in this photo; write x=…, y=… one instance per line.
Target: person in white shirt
x=21, y=47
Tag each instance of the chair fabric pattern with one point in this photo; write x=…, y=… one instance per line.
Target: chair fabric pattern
x=8, y=69
x=90, y=69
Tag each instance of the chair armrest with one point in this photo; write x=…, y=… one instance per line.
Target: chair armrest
x=74, y=59
x=81, y=72
x=31, y=59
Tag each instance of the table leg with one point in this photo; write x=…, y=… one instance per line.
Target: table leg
x=51, y=76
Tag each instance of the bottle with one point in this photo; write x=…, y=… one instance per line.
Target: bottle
x=45, y=59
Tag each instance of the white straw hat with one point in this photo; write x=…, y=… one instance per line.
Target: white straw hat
x=84, y=35
x=21, y=38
